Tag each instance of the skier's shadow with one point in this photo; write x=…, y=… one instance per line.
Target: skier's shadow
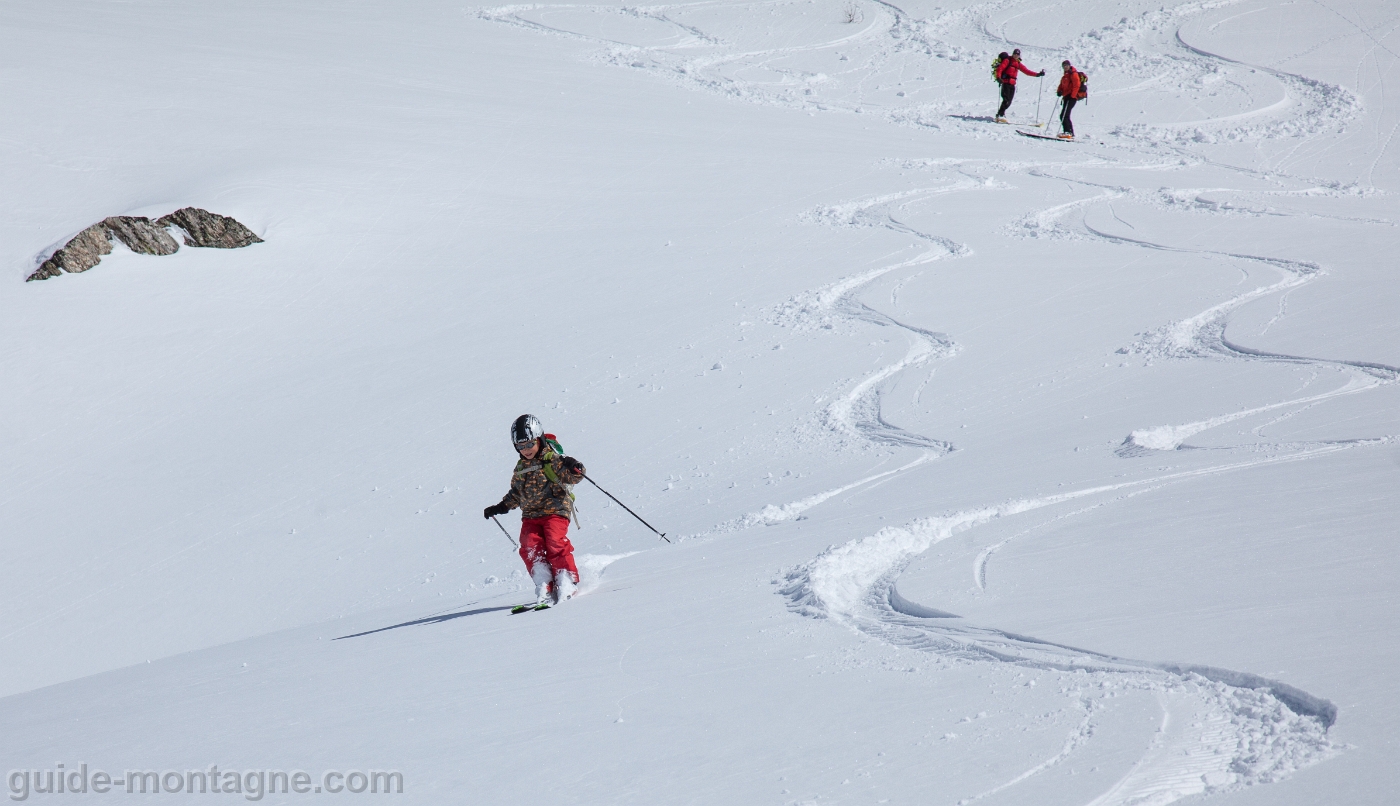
x=429, y=620
x=974, y=118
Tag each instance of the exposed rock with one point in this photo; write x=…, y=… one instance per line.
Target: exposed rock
x=79, y=254
x=49, y=268
x=140, y=234
x=203, y=228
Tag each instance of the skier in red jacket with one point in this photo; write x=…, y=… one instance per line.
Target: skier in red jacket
x=542, y=486
x=1070, y=91
x=1006, y=77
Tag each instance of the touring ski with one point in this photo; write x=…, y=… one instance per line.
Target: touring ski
x=525, y=608
x=1040, y=136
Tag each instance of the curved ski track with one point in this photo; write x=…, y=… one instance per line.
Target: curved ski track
x=1204, y=335
x=884, y=45
x=1221, y=729
x=857, y=413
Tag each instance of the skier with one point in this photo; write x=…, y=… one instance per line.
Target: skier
x=1070, y=91
x=1006, y=76
x=542, y=487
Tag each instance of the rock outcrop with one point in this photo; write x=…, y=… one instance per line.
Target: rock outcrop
x=79, y=254
x=140, y=234
x=203, y=228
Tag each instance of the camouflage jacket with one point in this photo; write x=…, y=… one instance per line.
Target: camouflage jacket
x=541, y=486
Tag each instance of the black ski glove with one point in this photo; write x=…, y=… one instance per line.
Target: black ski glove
x=572, y=465
x=496, y=509
x=1041, y=74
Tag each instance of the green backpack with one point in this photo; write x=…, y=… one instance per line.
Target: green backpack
x=996, y=67
x=551, y=444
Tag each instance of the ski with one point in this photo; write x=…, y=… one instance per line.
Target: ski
x=528, y=606
x=1040, y=136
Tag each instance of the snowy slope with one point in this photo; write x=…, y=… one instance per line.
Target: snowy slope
x=1000, y=471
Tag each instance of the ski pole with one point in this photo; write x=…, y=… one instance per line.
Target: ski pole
x=504, y=532
x=1038, y=96
x=629, y=511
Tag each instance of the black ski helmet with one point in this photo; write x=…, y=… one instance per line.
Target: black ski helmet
x=526, y=428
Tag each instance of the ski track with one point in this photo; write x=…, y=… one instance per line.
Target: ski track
x=1150, y=47
x=774, y=513
x=1076, y=738
x=688, y=44
x=979, y=565
x=1220, y=729
x=1204, y=335
x=856, y=416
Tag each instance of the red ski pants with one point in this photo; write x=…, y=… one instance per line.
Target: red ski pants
x=546, y=540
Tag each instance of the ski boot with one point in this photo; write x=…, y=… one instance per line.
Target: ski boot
x=564, y=587
x=544, y=586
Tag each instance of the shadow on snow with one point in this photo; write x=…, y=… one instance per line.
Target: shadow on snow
x=429, y=620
